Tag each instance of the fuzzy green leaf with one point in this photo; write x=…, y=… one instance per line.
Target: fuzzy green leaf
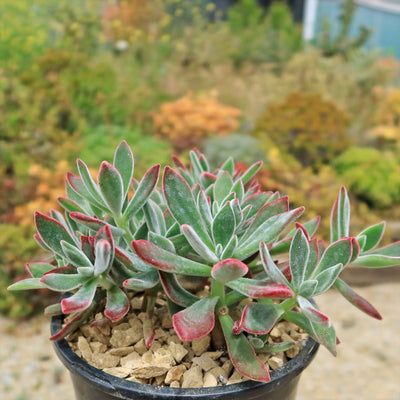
x=259, y=289
x=223, y=226
x=63, y=282
x=222, y=187
x=229, y=270
x=271, y=269
x=81, y=300
x=117, y=304
x=111, y=187
x=103, y=258
x=242, y=354
x=175, y=291
x=89, y=183
x=143, y=280
x=299, y=254
x=27, y=284
x=37, y=270
x=313, y=314
x=124, y=163
x=340, y=216
x=76, y=256
x=326, y=279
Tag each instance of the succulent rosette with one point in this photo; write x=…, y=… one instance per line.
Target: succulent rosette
x=217, y=227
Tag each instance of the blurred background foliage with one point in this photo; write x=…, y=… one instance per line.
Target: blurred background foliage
x=78, y=76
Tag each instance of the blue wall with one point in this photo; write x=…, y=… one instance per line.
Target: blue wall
x=384, y=23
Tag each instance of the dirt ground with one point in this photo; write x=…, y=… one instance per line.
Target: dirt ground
x=367, y=366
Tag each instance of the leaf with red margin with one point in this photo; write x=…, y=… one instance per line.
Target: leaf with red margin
x=95, y=223
x=148, y=332
x=167, y=261
x=313, y=314
x=259, y=318
x=259, y=289
x=52, y=232
x=387, y=256
x=340, y=216
x=197, y=320
x=103, y=258
x=111, y=187
x=143, y=280
x=270, y=268
x=82, y=299
x=177, y=162
x=242, y=353
x=354, y=298
x=27, y=284
x=38, y=269
x=229, y=270
x=251, y=172
x=373, y=235
x=87, y=246
x=63, y=282
x=299, y=255
x=124, y=163
x=143, y=191
x=117, y=304
x=69, y=205
x=207, y=179
x=175, y=291
x=256, y=200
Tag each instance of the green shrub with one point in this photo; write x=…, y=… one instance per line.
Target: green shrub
x=372, y=175
x=310, y=128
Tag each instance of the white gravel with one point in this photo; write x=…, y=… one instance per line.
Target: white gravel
x=367, y=366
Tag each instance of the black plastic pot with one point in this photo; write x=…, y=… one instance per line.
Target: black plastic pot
x=92, y=384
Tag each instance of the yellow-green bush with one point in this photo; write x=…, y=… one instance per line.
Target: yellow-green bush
x=310, y=128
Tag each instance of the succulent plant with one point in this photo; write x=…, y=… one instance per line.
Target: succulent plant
x=215, y=226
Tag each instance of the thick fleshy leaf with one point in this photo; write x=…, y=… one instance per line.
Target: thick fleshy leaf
x=63, y=282
x=299, y=254
x=204, y=209
x=350, y=295
x=167, y=261
x=52, y=232
x=195, y=321
x=228, y=166
x=313, y=258
x=259, y=289
x=256, y=201
x=272, y=347
x=143, y=191
x=373, y=235
x=117, y=304
x=307, y=288
x=222, y=187
x=198, y=245
x=77, y=185
x=124, y=163
x=103, y=252
x=207, y=179
x=53, y=309
x=131, y=261
x=143, y=280
x=89, y=182
x=229, y=270
x=182, y=204
x=251, y=172
x=326, y=279
x=310, y=226
x=223, y=226
x=94, y=223
x=324, y=336
x=259, y=318
x=175, y=291
x=340, y=252
x=154, y=217
x=312, y=313
x=386, y=256
x=242, y=354
x=81, y=299
x=69, y=205
x=230, y=248
x=37, y=270
x=271, y=269
x=75, y=256
x=340, y=216
x=267, y=232
x=27, y=284
x=111, y=187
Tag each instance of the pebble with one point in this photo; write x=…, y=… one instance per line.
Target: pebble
x=193, y=378
x=124, y=338
x=275, y=362
x=178, y=351
x=205, y=362
x=201, y=345
x=175, y=374
x=105, y=360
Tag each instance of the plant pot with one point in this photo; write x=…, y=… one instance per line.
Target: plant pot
x=92, y=383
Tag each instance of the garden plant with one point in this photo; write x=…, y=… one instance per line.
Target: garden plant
x=120, y=236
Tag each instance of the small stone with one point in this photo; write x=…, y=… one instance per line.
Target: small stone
x=175, y=384
x=163, y=357
x=92, y=332
x=205, y=362
x=193, y=378
x=140, y=347
x=275, y=362
x=124, y=338
x=214, y=355
x=155, y=346
x=227, y=366
x=236, y=377
x=122, y=326
x=217, y=371
x=275, y=333
x=160, y=334
x=98, y=347
x=121, y=351
x=209, y=380
x=120, y=372
x=291, y=353
x=177, y=351
x=159, y=380
x=201, y=345
x=105, y=360
x=166, y=322
x=150, y=371
x=173, y=338
x=286, y=337
x=175, y=374
x=132, y=360
x=85, y=349
x=136, y=303
x=138, y=380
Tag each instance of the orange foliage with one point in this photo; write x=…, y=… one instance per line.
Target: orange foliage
x=188, y=120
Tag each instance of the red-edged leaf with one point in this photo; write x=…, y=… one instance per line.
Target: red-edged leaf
x=111, y=186
x=242, y=354
x=53, y=309
x=259, y=289
x=95, y=223
x=87, y=246
x=299, y=254
x=143, y=191
x=69, y=205
x=124, y=163
x=63, y=282
x=387, y=256
x=117, y=304
x=259, y=318
x=148, y=332
x=177, y=162
x=373, y=235
x=103, y=253
x=270, y=268
x=195, y=321
x=167, y=261
x=251, y=172
x=175, y=291
x=340, y=216
x=350, y=295
x=207, y=179
x=143, y=280
x=229, y=270
x=312, y=313
x=27, y=284
x=81, y=300
x=37, y=270
x=52, y=232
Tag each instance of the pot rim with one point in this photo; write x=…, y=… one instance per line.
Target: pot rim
x=112, y=384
